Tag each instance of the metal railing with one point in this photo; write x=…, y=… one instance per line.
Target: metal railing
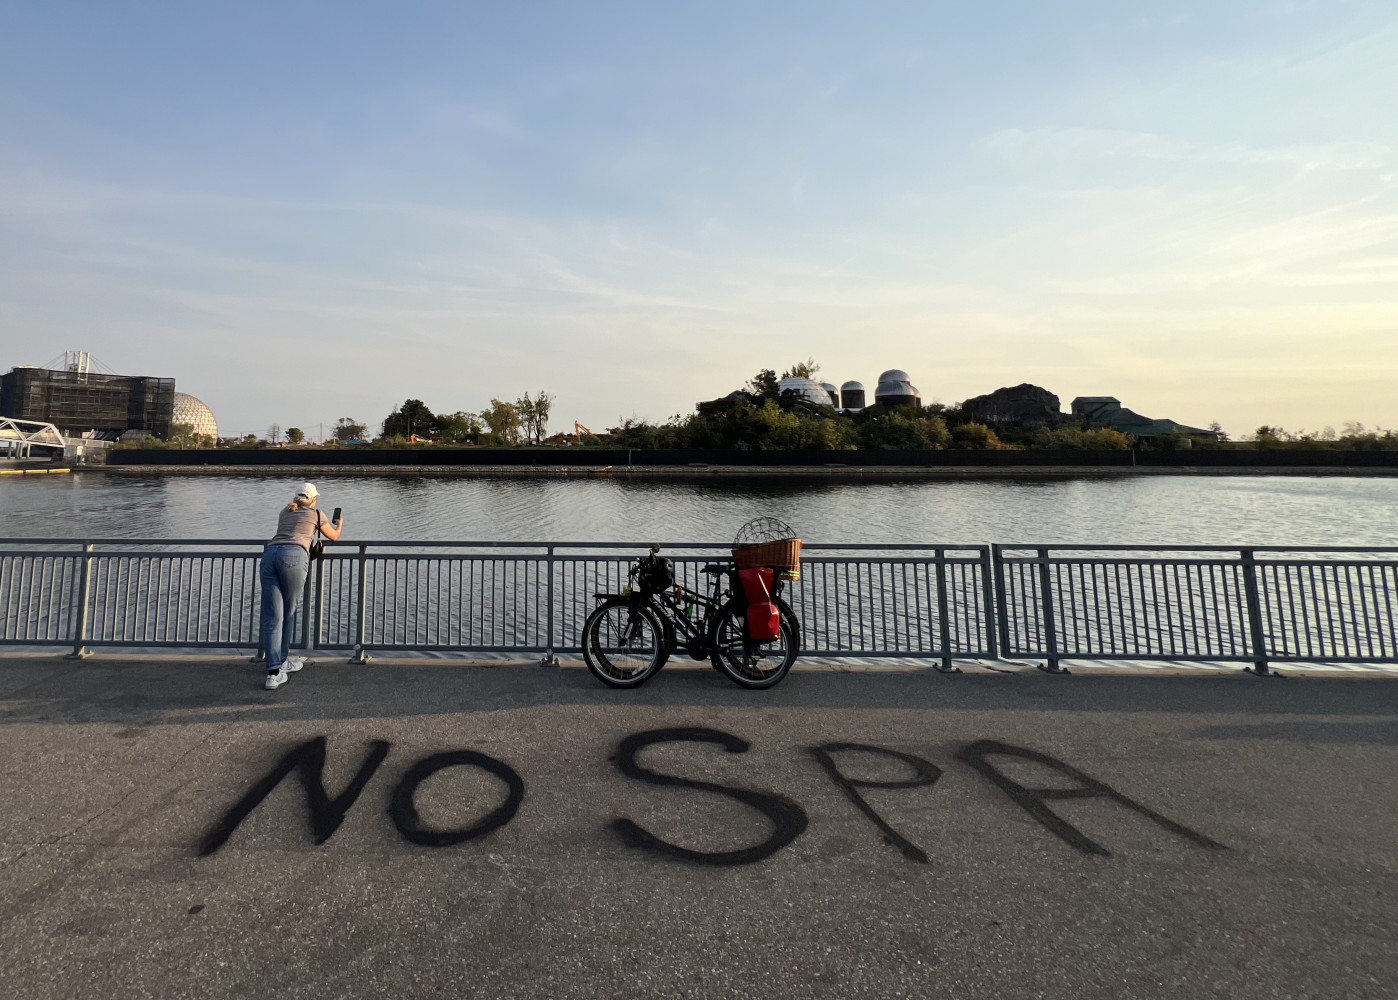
x=1254, y=605
x=932, y=602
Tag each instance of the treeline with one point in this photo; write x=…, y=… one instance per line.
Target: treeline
x=1353, y=437
x=758, y=417
x=525, y=421
x=765, y=425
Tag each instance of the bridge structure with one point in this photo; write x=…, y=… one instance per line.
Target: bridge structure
x=18, y=438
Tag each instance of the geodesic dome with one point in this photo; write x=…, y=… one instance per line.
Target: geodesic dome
x=191, y=410
x=806, y=389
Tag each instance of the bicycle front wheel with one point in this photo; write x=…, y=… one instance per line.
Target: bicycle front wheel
x=752, y=664
x=623, y=645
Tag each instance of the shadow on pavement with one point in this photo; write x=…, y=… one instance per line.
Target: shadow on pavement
x=172, y=692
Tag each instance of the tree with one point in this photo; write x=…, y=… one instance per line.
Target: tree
x=534, y=414
x=413, y=417
x=183, y=436
x=764, y=384
x=803, y=369
x=349, y=429
x=461, y=426
x=295, y=435
x=274, y=433
x=504, y=421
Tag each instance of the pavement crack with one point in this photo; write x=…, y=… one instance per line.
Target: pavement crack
x=106, y=810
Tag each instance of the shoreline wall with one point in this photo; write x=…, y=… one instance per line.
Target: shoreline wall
x=622, y=459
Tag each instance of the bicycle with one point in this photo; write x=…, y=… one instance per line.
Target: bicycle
x=629, y=636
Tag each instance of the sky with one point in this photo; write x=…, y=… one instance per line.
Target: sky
x=306, y=211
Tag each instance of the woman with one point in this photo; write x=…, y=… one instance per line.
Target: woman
x=285, y=560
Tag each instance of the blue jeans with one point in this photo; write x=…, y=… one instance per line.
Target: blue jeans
x=283, y=577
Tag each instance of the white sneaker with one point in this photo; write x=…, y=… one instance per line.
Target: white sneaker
x=275, y=679
x=294, y=663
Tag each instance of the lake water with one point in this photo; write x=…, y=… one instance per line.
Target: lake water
x=1261, y=510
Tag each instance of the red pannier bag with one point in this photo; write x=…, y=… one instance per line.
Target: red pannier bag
x=764, y=621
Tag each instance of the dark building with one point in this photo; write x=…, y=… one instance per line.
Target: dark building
x=76, y=401
x=1107, y=411
x=1023, y=405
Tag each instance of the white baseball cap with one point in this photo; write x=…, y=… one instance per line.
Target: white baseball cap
x=309, y=491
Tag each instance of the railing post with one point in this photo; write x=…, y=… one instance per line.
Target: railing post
x=80, y=650
x=549, y=659
x=360, y=607
x=1254, y=599
x=259, y=654
x=990, y=575
x=1002, y=594
x=311, y=609
x=1050, y=664
x=942, y=613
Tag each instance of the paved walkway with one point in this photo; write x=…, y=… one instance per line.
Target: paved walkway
x=518, y=832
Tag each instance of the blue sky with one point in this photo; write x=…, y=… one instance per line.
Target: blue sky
x=306, y=211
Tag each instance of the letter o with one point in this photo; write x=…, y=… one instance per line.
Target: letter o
x=404, y=814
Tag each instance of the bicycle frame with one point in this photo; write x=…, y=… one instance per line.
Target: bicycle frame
x=673, y=606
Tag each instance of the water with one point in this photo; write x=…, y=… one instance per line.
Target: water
x=1260, y=510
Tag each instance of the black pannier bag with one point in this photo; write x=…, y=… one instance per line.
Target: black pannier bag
x=656, y=575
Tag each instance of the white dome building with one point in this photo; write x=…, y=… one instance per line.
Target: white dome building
x=806, y=389
x=896, y=389
x=192, y=411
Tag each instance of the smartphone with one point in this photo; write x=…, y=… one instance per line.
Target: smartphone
x=334, y=518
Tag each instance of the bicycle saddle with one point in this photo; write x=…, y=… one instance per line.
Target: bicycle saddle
x=713, y=569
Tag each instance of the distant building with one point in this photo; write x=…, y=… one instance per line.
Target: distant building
x=896, y=388
x=807, y=389
x=78, y=400
x=1022, y=406
x=192, y=411
x=1107, y=411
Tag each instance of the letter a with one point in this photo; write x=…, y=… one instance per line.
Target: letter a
x=1035, y=801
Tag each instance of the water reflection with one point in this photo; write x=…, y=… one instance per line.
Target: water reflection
x=1147, y=509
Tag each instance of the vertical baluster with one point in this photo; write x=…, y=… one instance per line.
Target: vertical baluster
x=549, y=659
x=360, y=654
x=1050, y=664
x=80, y=651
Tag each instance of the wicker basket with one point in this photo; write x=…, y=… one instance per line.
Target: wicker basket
x=783, y=556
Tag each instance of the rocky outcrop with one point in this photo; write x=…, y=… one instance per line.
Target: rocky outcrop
x=1022, y=405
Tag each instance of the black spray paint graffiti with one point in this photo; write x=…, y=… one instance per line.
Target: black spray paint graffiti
x=308, y=761
x=925, y=773
x=788, y=819
x=1035, y=801
x=404, y=813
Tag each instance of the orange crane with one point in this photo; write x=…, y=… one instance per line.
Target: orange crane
x=578, y=431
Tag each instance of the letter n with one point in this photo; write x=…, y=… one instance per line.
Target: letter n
x=308, y=761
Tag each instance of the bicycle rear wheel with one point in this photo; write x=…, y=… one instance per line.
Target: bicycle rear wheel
x=623, y=645
x=752, y=664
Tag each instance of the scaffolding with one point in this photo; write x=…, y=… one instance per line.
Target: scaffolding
x=79, y=399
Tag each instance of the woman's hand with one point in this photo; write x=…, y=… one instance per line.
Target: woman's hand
x=331, y=529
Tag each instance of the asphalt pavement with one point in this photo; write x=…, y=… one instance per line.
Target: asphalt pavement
x=428, y=829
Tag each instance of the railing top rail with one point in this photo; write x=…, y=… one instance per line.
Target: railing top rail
x=1063, y=547
x=496, y=544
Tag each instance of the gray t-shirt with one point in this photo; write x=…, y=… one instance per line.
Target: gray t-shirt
x=297, y=527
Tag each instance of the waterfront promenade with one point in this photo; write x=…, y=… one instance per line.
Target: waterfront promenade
x=1231, y=836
